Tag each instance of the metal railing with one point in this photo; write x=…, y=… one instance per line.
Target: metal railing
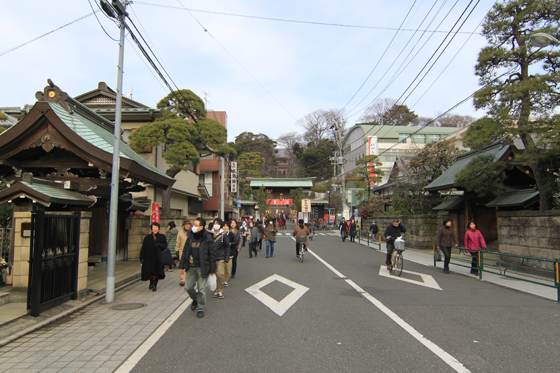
x=374, y=239
x=545, y=272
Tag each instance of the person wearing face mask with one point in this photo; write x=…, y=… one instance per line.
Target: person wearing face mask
x=181, y=241
x=198, y=261
x=270, y=237
x=236, y=240
x=152, y=269
x=222, y=248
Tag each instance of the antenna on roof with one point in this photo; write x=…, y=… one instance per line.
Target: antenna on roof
x=206, y=94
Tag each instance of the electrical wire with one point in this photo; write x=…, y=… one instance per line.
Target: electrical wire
x=236, y=61
x=103, y=28
x=48, y=33
x=280, y=19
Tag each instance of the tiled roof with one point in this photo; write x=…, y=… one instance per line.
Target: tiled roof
x=100, y=137
x=518, y=198
x=281, y=183
x=46, y=194
x=447, y=179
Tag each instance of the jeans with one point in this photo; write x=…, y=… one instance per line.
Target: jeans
x=194, y=276
x=474, y=263
x=343, y=236
x=220, y=276
x=447, y=252
x=270, y=245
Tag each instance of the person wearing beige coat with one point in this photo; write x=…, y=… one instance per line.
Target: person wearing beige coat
x=182, y=237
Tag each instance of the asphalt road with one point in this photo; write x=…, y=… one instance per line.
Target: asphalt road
x=333, y=327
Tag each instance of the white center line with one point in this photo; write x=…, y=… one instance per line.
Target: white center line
x=438, y=351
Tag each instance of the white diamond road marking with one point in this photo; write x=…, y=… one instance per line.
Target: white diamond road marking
x=427, y=280
x=277, y=307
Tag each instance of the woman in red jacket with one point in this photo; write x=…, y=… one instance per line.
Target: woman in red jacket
x=474, y=241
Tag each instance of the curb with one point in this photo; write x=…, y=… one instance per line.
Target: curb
x=42, y=324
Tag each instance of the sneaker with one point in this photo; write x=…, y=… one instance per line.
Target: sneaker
x=232, y=276
x=225, y=284
x=215, y=295
x=297, y=256
x=194, y=304
x=200, y=314
x=220, y=296
x=181, y=283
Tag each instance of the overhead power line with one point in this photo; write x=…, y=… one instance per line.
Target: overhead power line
x=281, y=19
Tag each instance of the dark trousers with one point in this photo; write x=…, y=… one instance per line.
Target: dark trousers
x=298, y=248
x=253, y=249
x=343, y=236
x=390, y=248
x=447, y=253
x=352, y=238
x=474, y=263
x=244, y=240
x=260, y=245
x=234, y=262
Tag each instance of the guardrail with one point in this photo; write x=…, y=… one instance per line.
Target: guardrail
x=374, y=239
x=495, y=263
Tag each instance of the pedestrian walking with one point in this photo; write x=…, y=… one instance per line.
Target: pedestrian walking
x=392, y=232
x=373, y=229
x=222, y=249
x=152, y=269
x=182, y=237
x=198, y=261
x=253, y=239
x=343, y=229
x=236, y=241
x=270, y=237
x=352, y=230
x=444, y=241
x=244, y=231
x=300, y=231
x=171, y=236
x=474, y=241
x=260, y=227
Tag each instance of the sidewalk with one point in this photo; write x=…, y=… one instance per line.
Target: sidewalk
x=425, y=257
x=98, y=338
x=13, y=316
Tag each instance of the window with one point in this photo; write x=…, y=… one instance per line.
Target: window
x=419, y=139
x=402, y=137
x=432, y=138
x=201, y=179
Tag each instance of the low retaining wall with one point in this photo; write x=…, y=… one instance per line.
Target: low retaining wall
x=530, y=233
x=421, y=230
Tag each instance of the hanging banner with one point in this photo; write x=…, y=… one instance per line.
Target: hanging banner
x=278, y=202
x=373, y=149
x=155, y=213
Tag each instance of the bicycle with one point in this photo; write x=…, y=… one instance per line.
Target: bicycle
x=397, y=260
x=301, y=241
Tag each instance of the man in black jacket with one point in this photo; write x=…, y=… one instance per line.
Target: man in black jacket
x=198, y=261
x=393, y=231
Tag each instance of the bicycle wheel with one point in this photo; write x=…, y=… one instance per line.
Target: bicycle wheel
x=301, y=256
x=398, y=264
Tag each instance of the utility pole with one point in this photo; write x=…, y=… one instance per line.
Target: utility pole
x=114, y=203
x=222, y=189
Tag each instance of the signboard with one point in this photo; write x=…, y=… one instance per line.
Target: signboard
x=278, y=202
x=239, y=205
x=373, y=149
x=331, y=219
x=233, y=180
x=155, y=213
x=306, y=205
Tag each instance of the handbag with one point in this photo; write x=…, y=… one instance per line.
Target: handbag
x=437, y=255
x=165, y=257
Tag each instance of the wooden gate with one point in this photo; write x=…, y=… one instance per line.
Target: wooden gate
x=53, y=265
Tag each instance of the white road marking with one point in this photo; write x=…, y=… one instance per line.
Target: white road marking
x=151, y=341
x=438, y=351
x=277, y=307
x=427, y=280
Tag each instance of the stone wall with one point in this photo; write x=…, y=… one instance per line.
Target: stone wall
x=530, y=233
x=421, y=230
x=140, y=227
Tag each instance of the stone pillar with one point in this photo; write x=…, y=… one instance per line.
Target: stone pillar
x=139, y=228
x=22, y=248
x=85, y=217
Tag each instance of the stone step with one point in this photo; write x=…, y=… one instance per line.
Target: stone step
x=4, y=298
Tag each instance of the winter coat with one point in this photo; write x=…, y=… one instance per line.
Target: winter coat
x=149, y=257
x=254, y=235
x=343, y=228
x=235, y=241
x=373, y=228
x=474, y=240
x=207, y=254
x=171, y=237
x=445, y=237
x=394, y=232
x=301, y=232
x=260, y=228
x=270, y=233
x=222, y=246
x=181, y=241
x=352, y=229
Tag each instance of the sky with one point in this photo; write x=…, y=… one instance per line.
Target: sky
x=249, y=58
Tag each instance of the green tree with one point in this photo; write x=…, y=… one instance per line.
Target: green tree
x=262, y=197
x=482, y=176
x=297, y=196
x=366, y=173
x=510, y=93
x=183, y=139
x=248, y=142
x=484, y=132
x=314, y=159
x=249, y=165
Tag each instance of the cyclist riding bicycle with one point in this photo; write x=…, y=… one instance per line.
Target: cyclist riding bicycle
x=393, y=231
x=300, y=231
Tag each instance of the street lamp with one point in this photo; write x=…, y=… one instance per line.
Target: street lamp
x=542, y=39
